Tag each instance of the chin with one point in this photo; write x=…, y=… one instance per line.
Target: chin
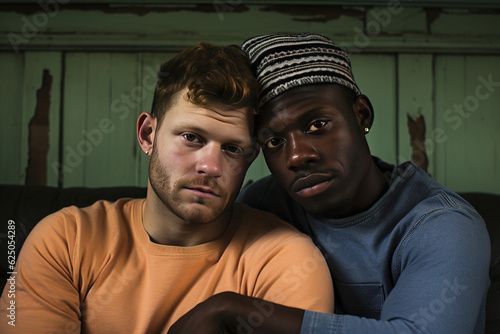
x=314, y=208
x=319, y=212
x=320, y=207
x=196, y=213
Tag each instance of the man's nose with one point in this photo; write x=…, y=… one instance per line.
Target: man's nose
x=300, y=152
x=209, y=160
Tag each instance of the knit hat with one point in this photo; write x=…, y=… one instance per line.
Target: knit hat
x=284, y=61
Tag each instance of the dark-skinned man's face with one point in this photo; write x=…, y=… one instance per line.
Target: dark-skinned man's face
x=313, y=141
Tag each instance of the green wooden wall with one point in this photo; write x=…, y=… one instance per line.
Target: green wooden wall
x=442, y=64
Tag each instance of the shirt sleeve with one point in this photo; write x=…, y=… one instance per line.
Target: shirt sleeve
x=443, y=282
x=295, y=274
x=44, y=296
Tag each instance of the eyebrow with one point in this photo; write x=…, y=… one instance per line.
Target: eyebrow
x=300, y=119
x=263, y=134
x=305, y=116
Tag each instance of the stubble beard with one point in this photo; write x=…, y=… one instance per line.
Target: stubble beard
x=168, y=192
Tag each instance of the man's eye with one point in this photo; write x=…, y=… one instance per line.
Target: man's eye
x=315, y=126
x=274, y=142
x=233, y=149
x=191, y=137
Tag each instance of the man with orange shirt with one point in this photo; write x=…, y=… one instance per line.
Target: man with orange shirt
x=137, y=265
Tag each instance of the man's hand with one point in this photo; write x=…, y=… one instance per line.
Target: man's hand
x=205, y=318
x=229, y=312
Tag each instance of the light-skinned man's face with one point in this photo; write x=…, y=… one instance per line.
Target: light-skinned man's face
x=199, y=159
x=313, y=141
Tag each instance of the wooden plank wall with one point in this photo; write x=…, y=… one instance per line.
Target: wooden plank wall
x=11, y=83
x=105, y=94
x=467, y=152
x=377, y=78
x=21, y=78
x=415, y=64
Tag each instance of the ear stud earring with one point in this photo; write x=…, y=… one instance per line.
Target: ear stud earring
x=367, y=130
x=147, y=152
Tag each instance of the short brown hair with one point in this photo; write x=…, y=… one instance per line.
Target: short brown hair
x=212, y=74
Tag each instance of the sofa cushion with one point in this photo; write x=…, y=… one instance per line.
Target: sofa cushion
x=488, y=206
x=27, y=205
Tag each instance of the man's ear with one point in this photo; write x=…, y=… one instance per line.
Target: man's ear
x=146, y=130
x=364, y=112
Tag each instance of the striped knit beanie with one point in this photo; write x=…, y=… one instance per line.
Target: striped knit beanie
x=284, y=61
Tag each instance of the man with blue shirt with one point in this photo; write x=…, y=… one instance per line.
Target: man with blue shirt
x=406, y=254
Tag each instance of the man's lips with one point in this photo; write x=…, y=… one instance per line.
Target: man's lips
x=203, y=191
x=311, y=184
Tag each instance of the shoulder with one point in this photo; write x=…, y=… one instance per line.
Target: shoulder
x=452, y=216
x=438, y=205
x=287, y=267
x=263, y=227
x=435, y=222
x=425, y=200
x=90, y=215
x=446, y=228
x=73, y=227
x=76, y=244
x=432, y=206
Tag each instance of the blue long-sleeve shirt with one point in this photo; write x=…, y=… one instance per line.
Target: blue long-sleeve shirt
x=416, y=262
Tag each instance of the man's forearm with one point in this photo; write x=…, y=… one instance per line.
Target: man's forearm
x=229, y=312
x=246, y=314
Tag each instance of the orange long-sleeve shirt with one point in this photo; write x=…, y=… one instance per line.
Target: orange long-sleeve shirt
x=95, y=270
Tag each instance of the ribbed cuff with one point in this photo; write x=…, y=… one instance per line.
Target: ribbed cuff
x=320, y=323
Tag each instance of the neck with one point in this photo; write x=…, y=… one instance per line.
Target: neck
x=371, y=188
x=165, y=227
x=374, y=187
